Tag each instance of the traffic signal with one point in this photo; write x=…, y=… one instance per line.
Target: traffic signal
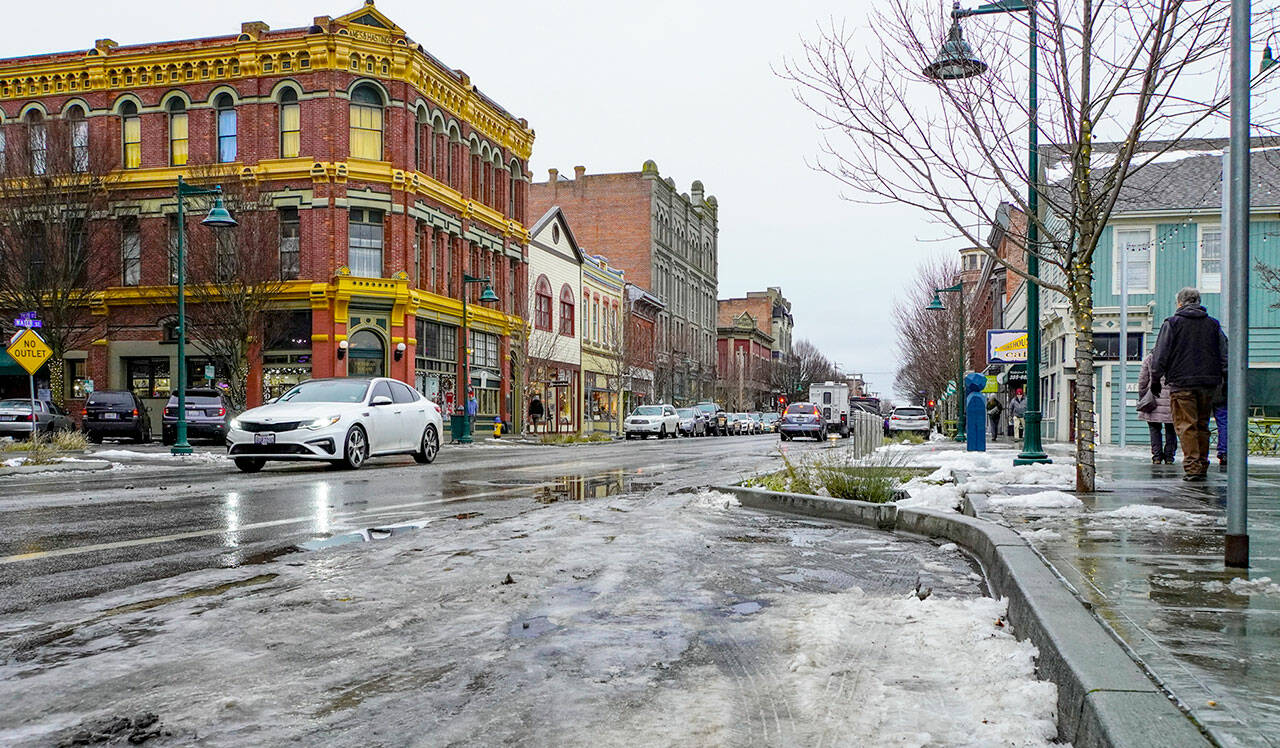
x=933, y=403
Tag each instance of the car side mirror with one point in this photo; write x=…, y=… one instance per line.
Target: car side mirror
x=380, y=400
x=270, y=401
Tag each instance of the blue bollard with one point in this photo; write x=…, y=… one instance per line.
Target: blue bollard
x=975, y=412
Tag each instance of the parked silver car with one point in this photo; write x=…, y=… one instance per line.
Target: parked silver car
x=16, y=420
x=693, y=422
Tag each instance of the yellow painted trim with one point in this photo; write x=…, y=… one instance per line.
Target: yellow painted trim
x=101, y=341
x=321, y=337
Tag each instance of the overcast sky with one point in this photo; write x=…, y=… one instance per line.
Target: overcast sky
x=609, y=85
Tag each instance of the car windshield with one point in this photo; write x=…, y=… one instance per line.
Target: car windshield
x=16, y=404
x=687, y=412
x=706, y=407
x=909, y=412
x=327, y=391
x=647, y=410
x=802, y=410
x=770, y=417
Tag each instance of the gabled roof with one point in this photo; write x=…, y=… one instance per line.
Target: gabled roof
x=555, y=214
x=368, y=15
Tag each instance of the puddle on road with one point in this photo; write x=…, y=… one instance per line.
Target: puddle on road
x=746, y=608
x=356, y=694
x=531, y=628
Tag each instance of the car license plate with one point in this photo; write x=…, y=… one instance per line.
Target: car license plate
x=6, y=418
x=267, y=438
x=111, y=416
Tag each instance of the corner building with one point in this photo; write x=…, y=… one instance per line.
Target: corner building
x=664, y=241
x=390, y=173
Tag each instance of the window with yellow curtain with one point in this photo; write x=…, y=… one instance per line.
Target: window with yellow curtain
x=177, y=132
x=290, y=124
x=131, y=125
x=366, y=123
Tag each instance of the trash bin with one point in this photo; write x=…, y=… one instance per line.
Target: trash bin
x=458, y=424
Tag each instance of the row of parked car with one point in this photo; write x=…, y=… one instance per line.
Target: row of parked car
x=118, y=414
x=704, y=419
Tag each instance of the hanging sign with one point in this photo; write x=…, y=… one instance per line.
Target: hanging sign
x=1006, y=346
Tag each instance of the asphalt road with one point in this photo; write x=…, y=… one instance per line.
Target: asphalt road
x=75, y=537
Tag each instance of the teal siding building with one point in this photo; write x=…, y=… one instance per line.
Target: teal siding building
x=1169, y=224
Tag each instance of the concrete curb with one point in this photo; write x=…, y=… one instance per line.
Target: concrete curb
x=1104, y=698
x=57, y=467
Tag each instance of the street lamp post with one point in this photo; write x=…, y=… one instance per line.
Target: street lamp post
x=218, y=218
x=486, y=296
x=937, y=306
x=957, y=60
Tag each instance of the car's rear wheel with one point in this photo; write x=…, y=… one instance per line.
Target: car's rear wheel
x=250, y=464
x=429, y=448
x=355, y=448
x=95, y=438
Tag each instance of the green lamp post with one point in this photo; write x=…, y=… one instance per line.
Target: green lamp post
x=219, y=218
x=937, y=306
x=957, y=60
x=487, y=296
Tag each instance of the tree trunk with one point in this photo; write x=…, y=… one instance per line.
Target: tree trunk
x=1083, y=407
x=58, y=380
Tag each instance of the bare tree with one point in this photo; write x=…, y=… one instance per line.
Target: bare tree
x=1144, y=73
x=54, y=237
x=928, y=348
x=806, y=365
x=235, y=277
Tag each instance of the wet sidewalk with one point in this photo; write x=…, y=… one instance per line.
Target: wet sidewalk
x=1146, y=552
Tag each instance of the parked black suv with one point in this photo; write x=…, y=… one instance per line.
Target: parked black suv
x=717, y=419
x=117, y=413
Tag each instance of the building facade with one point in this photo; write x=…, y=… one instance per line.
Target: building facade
x=389, y=176
x=640, y=338
x=665, y=241
x=554, y=364
x=744, y=350
x=603, y=354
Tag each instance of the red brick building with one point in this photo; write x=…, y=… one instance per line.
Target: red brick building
x=390, y=173
x=992, y=291
x=744, y=352
x=665, y=241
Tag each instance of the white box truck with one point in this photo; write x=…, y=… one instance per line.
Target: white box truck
x=832, y=398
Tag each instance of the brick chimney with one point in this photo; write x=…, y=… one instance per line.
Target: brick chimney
x=579, y=172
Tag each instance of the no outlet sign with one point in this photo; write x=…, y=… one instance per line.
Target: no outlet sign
x=29, y=350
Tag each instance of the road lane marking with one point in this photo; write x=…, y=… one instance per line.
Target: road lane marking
x=75, y=550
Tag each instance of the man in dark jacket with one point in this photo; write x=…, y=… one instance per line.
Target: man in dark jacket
x=1191, y=356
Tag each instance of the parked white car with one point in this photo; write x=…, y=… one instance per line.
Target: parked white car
x=342, y=420
x=660, y=420
x=912, y=418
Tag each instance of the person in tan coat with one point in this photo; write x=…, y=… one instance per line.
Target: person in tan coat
x=1160, y=420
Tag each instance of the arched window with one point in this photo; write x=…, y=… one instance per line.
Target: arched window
x=511, y=188
x=566, y=310
x=366, y=123
x=226, y=128
x=79, y=138
x=37, y=142
x=131, y=134
x=422, y=143
x=449, y=151
x=542, y=304
x=177, y=132
x=290, y=124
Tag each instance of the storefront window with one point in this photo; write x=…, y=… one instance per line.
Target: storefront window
x=77, y=379
x=282, y=371
x=148, y=377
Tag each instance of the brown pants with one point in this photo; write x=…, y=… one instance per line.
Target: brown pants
x=1191, y=412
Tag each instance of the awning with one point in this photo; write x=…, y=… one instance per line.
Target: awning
x=9, y=367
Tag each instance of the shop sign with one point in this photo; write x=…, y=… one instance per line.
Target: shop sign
x=1006, y=346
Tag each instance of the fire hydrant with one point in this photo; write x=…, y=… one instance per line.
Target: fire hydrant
x=497, y=427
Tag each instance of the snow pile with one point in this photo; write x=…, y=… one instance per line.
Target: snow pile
x=1040, y=534
x=1052, y=474
x=1150, y=516
x=1239, y=586
x=14, y=461
x=925, y=494
x=1034, y=502
x=714, y=500
x=128, y=455
x=931, y=672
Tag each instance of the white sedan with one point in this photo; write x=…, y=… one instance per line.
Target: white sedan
x=660, y=420
x=344, y=421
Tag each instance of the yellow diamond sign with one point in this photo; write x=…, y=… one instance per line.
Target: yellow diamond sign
x=29, y=350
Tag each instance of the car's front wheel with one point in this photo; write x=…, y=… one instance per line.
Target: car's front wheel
x=429, y=448
x=250, y=464
x=355, y=448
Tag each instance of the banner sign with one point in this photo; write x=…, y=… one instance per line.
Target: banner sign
x=1006, y=346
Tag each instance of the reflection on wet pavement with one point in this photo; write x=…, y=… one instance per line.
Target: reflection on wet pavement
x=1147, y=554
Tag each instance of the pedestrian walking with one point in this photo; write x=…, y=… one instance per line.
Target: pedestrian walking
x=1018, y=412
x=536, y=412
x=994, y=409
x=1191, y=357
x=1164, y=438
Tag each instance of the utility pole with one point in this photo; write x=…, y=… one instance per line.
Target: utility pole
x=1237, y=536
x=741, y=371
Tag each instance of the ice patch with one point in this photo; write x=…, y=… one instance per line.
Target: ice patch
x=949, y=548
x=925, y=495
x=1152, y=516
x=1040, y=534
x=714, y=500
x=1240, y=586
x=129, y=455
x=1035, y=501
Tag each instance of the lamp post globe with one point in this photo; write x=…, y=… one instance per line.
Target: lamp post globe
x=956, y=59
